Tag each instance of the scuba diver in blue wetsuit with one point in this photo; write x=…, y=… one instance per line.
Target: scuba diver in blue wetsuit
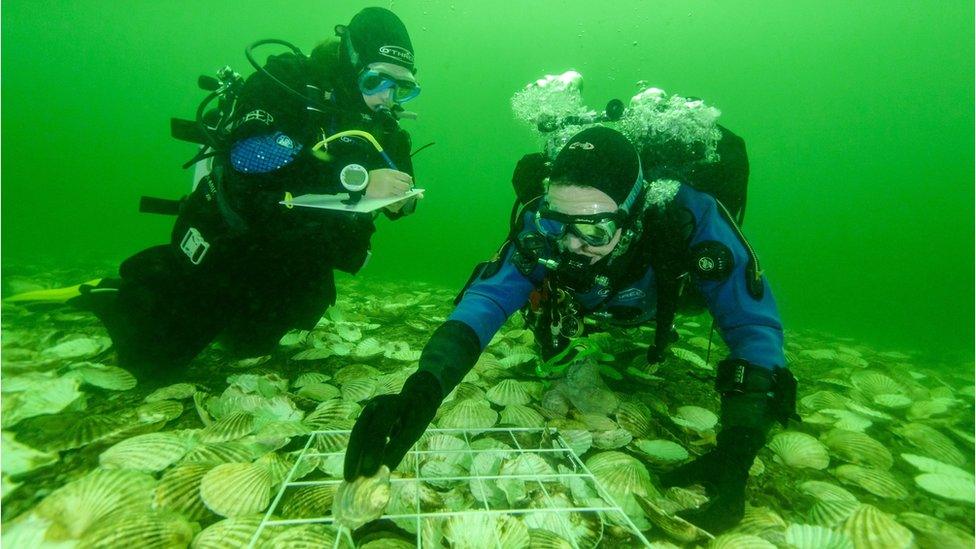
x=240, y=267
x=607, y=239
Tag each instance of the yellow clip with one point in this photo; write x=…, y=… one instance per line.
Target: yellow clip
x=289, y=201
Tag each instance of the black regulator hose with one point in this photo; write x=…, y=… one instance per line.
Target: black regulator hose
x=248, y=52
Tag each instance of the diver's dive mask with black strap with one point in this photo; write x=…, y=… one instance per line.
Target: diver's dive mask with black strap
x=575, y=270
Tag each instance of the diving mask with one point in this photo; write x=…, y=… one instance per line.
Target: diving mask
x=374, y=80
x=594, y=230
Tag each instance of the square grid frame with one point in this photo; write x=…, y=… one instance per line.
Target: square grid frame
x=560, y=451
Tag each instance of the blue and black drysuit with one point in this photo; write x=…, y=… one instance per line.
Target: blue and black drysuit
x=736, y=294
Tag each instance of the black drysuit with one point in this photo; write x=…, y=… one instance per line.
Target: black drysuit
x=266, y=268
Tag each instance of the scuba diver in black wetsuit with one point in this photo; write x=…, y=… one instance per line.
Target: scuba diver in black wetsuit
x=240, y=267
x=601, y=234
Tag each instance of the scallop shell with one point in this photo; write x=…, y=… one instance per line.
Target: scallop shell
x=234, y=532
x=349, y=332
x=355, y=371
x=932, y=443
x=932, y=532
x=358, y=390
x=847, y=420
x=318, y=391
x=466, y=391
x=178, y=391
x=236, y=489
x=145, y=529
x=879, y=483
x=80, y=504
x=401, y=351
x=151, y=452
x=674, y=526
x=623, y=477
x=333, y=414
x=574, y=435
x=310, y=377
x=928, y=408
x=545, y=539
x=695, y=418
x=391, y=383
x=947, y=486
x=19, y=458
x=315, y=354
x=894, y=402
x=472, y=531
x=661, y=451
x=868, y=412
x=471, y=415
x=872, y=384
x=446, y=448
x=764, y=523
x=691, y=357
x=804, y=536
x=508, y=392
x=179, y=490
x=86, y=430
x=929, y=465
x=822, y=400
x=521, y=416
x=308, y=536
x=307, y=502
x=800, y=450
x=160, y=410
x=611, y=440
x=230, y=427
x=858, y=448
x=106, y=377
x=220, y=452
x=80, y=348
x=869, y=527
x=739, y=541
x=362, y=500
x=598, y=422
x=277, y=464
x=635, y=417
x=367, y=348
x=833, y=504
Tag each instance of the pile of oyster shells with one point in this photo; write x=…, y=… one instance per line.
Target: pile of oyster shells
x=91, y=457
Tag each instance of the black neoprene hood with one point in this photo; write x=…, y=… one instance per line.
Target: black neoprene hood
x=601, y=158
x=379, y=36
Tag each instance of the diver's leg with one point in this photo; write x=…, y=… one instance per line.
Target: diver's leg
x=156, y=315
x=270, y=309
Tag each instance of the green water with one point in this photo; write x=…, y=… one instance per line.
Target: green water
x=858, y=117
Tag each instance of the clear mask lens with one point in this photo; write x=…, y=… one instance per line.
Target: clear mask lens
x=372, y=82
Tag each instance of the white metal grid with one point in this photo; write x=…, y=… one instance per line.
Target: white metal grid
x=557, y=452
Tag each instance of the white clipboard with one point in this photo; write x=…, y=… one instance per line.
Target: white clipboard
x=336, y=201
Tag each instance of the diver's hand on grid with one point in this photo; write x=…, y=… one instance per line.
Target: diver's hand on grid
x=389, y=425
x=386, y=182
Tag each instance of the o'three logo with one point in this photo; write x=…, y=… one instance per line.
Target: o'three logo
x=706, y=264
x=397, y=52
x=582, y=145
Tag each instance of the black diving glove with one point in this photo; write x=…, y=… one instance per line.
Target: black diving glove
x=752, y=399
x=390, y=424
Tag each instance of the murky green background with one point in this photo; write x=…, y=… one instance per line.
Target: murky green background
x=858, y=117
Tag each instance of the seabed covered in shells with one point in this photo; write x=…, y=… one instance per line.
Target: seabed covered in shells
x=238, y=452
